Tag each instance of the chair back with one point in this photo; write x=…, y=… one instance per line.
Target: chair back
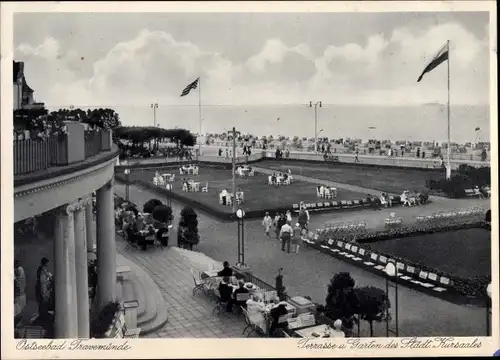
x=242, y=297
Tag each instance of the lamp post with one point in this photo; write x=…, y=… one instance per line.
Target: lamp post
x=240, y=214
x=169, y=197
x=234, y=133
x=318, y=103
x=154, y=107
x=488, y=310
x=391, y=272
x=127, y=180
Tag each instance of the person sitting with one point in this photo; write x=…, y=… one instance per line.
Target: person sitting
x=404, y=198
x=226, y=291
x=255, y=311
x=383, y=200
x=273, y=178
x=275, y=314
x=337, y=329
x=240, y=290
x=226, y=271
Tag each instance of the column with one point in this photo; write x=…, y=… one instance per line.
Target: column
x=89, y=221
x=106, y=246
x=81, y=265
x=66, y=322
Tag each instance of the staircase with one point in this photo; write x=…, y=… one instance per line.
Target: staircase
x=152, y=313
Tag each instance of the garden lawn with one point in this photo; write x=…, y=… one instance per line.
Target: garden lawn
x=257, y=194
x=465, y=253
x=391, y=180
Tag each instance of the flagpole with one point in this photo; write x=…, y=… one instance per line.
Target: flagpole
x=199, y=113
x=448, y=165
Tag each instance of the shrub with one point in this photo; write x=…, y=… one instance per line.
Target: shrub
x=372, y=305
x=187, y=233
x=104, y=320
x=150, y=205
x=163, y=213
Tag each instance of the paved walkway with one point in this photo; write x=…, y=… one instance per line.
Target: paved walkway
x=309, y=272
x=188, y=316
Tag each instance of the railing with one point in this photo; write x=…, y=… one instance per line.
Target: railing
x=256, y=281
x=35, y=155
x=93, y=143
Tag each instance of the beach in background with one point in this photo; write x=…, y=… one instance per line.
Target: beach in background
x=412, y=123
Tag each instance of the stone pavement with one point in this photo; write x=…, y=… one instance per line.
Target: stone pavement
x=188, y=316
x=309, y=272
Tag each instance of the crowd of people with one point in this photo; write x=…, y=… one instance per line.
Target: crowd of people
x=137, y=226
x=289, y=237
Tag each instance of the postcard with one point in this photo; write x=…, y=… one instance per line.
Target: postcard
x=249, y=179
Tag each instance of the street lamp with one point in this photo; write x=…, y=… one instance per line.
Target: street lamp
x=240, y=214
x=127, y=180
x=169, y=197
x=391, y=272
x=488, y=309
x=318, y=103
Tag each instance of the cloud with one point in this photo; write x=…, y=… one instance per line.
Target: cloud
x=153, y=66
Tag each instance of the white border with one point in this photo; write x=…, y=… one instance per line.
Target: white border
x=206, y=348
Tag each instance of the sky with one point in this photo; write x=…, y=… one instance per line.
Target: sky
x=134, y=59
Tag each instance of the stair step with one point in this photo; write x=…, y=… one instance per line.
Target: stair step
x=159, y=320
x=151, y=293
x=139, y=294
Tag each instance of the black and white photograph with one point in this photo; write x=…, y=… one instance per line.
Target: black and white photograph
x=231, y=174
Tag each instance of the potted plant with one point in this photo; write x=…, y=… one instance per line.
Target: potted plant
x=187, y=232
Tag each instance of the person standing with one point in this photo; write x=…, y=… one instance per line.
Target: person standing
x=286, y=236
x=43, y=288
x=297, y=238
x=303, y=218
x=289, y=216
x=19, y=292
x=275, y=224
x=267, y=222
x=281, y=222
x=356, y=158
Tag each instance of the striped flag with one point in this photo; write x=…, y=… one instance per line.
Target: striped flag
x=190, y=87
x=441, y=57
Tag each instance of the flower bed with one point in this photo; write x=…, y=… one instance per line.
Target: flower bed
x=354, y=248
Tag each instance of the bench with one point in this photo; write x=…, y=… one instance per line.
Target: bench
x=122, y=273
x=472, y=193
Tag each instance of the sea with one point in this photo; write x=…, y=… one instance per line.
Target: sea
x=412, y=123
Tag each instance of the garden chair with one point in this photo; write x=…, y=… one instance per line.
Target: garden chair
x=205, y=188
x=251, y=324
x=198, y=284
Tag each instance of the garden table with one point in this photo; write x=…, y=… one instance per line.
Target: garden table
x=321, y=330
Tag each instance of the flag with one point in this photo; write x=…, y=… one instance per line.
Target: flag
x=190, y=87
x=477, y=129
x=441, y=57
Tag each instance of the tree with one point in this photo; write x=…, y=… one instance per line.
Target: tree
x=163, y=213
x=187, y=232
x=150, y=205
x=341, y=301
x=373, y=304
